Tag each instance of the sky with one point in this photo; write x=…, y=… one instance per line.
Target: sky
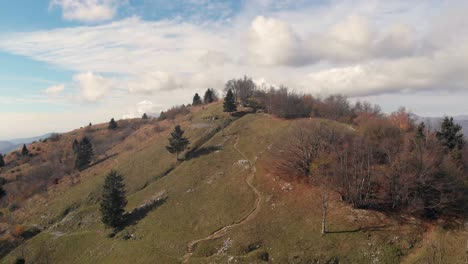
x=65, y=63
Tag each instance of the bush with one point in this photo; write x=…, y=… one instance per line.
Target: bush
x=173, y=112
x=264, y=256
x=13, y=207
x=20, y=260
x=54, y=137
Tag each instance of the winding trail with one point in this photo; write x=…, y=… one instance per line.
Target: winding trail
x=426, y=239
x=253, y=212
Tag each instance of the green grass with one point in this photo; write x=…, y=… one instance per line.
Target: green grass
x=205, y=194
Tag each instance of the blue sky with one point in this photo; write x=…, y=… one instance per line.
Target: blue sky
x=65, y=63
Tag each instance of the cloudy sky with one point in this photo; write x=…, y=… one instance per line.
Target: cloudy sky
x=65, y=63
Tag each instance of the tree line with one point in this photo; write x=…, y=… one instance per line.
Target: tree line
x=385, y=163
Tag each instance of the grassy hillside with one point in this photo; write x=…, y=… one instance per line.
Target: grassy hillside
x=224, y=204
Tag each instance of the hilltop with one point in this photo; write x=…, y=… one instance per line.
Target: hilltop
x=224, y=203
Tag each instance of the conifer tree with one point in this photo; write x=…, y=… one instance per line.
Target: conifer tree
x=84, y=154
x=112, y=124
x=2, y=161
x=113, y=200
x=450, y=134
x=145, y=116
x=75, y=146
x=196, y=100
x=2, y=192
x=209, y=96
x=229, y=104
x=421, y=131
x=177, y=142
x=25, y=150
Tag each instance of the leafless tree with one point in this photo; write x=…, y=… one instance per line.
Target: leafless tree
x=324, y=199
x=242, y=89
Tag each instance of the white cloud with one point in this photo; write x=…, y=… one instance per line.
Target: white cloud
x=87, y=10
x=55, y=89
x=91, y=86
x=443, y=70
x=271, y=42
x=357, y=48
x=151, y=82
x=214, y=58
x=142, y=107
x=129, y=46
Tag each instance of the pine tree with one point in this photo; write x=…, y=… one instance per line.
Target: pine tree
x=2, y=161
x=90, y=125
x=421, y=131
x=229, y=104
x=75, y=146
x=209, y=96
x=84, y=154
x=113, y=200
x=2, y=192
x=145, y=116
x=25, y=150
x=196, y=100
x=177, y=142
x=450, y=134
x=112, y=124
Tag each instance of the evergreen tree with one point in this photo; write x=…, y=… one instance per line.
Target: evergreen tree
x=421, y=131
x=196, y=100
x=84, y=154
x=229, y=104
x=177, y=142
x=145, y=116
x=20, y=260
x=113, y=200
x=25, y=150
x=90, y=124
x=450, y=134
x=113, y=124
x=2, y=192
x=210, y=96
x=75, y=146
x=2, y=161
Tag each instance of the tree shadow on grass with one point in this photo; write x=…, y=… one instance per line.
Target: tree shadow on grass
x=201, y=151
x=132, y=217
x=361, y=229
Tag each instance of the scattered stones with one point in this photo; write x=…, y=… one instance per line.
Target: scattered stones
x=286, y=187
x=243, y=163
x=226, y=245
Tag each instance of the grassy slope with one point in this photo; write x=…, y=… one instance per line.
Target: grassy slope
x=207, y=193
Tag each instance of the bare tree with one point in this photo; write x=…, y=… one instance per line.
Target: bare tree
x=324, y=199
x=301, y=147
x=242, y=89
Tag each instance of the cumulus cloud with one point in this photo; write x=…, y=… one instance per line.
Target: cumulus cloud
x=272, y=42
x=354, y=49
x=91, y=86
x=443, y=70
x=54, y=89
x=86, y=10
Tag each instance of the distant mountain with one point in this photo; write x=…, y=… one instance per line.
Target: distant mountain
x=7, y=146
